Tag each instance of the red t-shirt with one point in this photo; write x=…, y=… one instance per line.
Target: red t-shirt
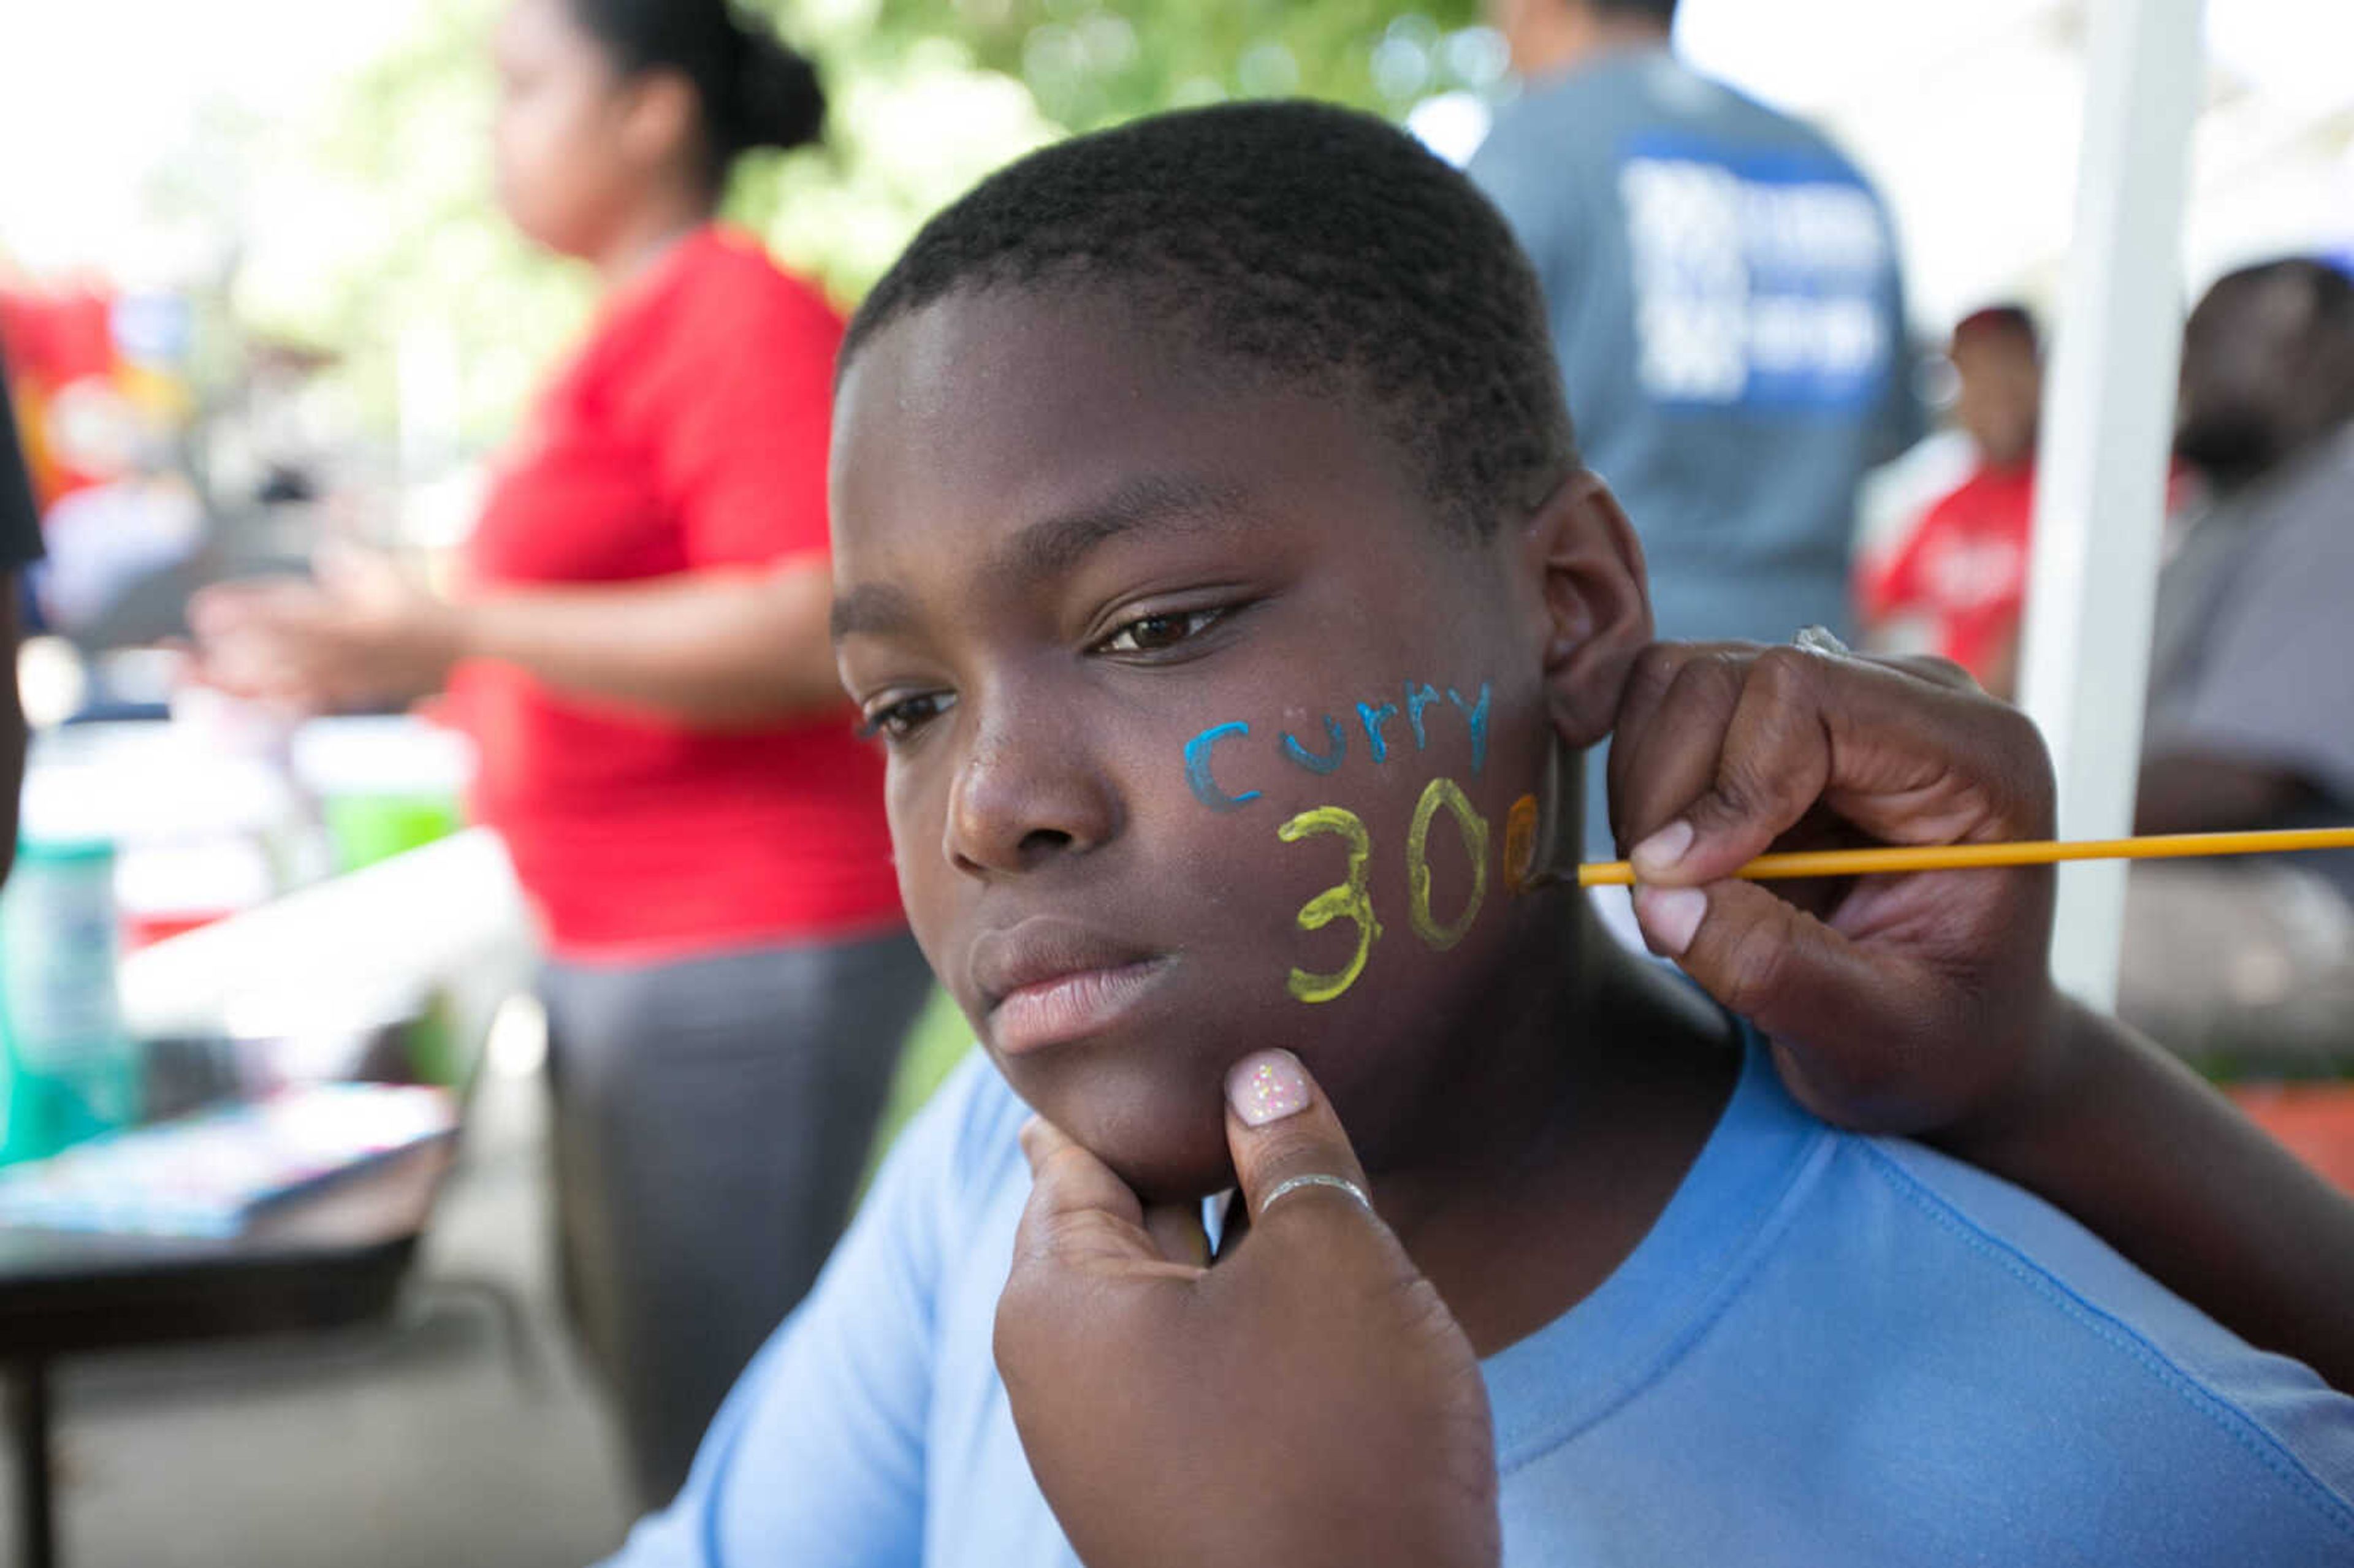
x=689, y=434
x=1964, y=567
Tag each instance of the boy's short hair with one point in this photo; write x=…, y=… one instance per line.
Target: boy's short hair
x=1322, y=244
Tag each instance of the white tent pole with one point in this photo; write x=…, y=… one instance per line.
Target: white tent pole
x=2101, y=477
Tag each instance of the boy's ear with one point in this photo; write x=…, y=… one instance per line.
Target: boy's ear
x=1583, y=555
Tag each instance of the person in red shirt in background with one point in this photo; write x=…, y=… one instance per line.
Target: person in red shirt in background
x=1963, y=568
x=639, y=650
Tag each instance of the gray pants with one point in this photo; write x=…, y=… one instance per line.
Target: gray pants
x=712, y=1118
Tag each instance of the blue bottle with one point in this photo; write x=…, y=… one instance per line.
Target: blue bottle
x=67, y=1068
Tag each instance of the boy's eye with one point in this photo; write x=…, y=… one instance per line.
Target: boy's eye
x=1158, y=633
x=900, y=720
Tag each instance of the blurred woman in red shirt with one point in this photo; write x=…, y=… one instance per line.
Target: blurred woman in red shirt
x=639, y=650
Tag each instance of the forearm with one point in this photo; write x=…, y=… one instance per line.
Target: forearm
x=709, y=649
x=2149, y=1157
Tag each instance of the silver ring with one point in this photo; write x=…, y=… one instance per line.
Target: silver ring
x=1291, y=1184
x=1820, y=640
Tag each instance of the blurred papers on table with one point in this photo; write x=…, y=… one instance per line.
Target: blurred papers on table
x=208, y=1174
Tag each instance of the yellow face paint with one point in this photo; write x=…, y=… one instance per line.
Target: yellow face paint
x=1444, y=792
x=1352, y=901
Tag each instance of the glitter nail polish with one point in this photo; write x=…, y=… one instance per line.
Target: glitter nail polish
x=1267, y=1088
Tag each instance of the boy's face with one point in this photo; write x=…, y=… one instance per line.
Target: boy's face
x=1186, y=694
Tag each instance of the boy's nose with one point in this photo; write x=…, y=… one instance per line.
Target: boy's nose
x=1018, y=804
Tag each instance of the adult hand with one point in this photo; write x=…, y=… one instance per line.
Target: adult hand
x=1307, y=1401
x=359, y=634
x=1917, y=1003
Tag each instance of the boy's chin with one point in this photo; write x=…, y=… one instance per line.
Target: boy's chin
x=1172, y=1166
x=1156, y=1117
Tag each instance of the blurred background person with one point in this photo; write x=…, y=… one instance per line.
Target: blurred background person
x=99, y=382
x=1725, y=302
x=2251, y=715
x=639, y=649
x=20, y=547
x=1956, y=584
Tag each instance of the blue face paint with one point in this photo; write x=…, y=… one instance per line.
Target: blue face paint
x=1328, y=763
x=1197, y=768
x=1373, y=717
x=1418, y=697
x=1477, y=718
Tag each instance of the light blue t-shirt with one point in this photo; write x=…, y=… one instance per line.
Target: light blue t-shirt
x=1829, y=1350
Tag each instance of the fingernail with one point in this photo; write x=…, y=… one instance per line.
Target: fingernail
x=1267, y=1088
x=1661, y=850
x=1670, y=916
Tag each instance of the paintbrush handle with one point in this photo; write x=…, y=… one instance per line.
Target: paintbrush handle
x=2037, y=851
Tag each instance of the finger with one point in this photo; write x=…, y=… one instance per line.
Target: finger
x=1078, y=1209
x=1065, y=1176
x=1280, y=1127
x=1905, y=759
x=1936, y=671
x=335, y=561
x=226, y=607
x=1798, y=979
x=1674, y=758
x=1177, y=1230
x=1647, y=683
x=1647, y=679
x=189, y=667
x=349, y=573
x=1772, y=762
x=1084, y=1268
x=220, y=608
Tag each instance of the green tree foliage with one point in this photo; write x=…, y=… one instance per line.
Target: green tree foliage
x=1091, y=64
x=927, y=96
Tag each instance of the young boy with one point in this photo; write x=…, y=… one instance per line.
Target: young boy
x=1213, y=556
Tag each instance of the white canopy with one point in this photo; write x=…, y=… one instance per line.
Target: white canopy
x=1970, y=115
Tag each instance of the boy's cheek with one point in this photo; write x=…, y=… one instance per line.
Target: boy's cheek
x=1303, y=901
x=1349, y=895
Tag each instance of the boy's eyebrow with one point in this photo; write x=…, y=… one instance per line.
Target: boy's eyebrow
x=874, y=608
x=1052, y=546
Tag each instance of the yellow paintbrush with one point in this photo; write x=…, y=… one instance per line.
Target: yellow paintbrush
x=2038, y=851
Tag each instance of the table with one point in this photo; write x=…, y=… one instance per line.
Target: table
x=447, y=920
x=325, y=1260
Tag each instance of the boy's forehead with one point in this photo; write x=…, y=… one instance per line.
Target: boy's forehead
x=1015, y=365
x=992, y=409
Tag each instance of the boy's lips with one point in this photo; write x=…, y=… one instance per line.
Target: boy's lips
x=1044, y=981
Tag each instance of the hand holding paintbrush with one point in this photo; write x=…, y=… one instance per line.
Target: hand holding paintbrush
x=1897, y=1005
x=1920, y=1003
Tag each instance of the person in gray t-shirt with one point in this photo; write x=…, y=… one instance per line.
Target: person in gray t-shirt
x=1726, y=306
x=2251, y=715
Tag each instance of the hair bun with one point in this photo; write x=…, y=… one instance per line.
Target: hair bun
x=778, y=101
